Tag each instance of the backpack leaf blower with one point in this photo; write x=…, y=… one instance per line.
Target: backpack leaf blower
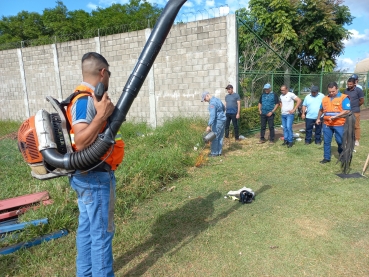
x=44, y=140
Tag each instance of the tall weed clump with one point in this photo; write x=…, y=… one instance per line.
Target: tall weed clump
x=154, y=158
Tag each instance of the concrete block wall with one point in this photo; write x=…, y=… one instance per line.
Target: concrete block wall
x=12, y=104
x=197, y=56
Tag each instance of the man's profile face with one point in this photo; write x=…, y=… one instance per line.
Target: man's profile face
x=230, y=90
x=350, y=85
x=284, y=90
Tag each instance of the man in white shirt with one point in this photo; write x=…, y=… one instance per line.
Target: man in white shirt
x=288, y=109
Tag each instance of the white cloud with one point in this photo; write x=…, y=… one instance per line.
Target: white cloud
x=210, y=3
x=224, y=10
x=188, y=4
x=237, y=4
x=357, y=38
x=92, y=6
x=345, y=64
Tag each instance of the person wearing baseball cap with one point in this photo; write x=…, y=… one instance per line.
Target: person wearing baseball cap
x=233, y=107
x=310, y=110
x=356, y=96
x=356, y=78
x=216, y=122
x=268, y=104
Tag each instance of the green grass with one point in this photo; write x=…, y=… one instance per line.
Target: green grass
x=172, y=218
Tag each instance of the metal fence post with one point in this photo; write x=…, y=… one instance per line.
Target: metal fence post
x=321, y=79
x=272, y=80
x=299, y=80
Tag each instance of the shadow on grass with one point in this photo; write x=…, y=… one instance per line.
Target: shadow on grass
x=174, y=230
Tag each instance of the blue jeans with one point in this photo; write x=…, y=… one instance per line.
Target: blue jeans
x=96, y=197
x=217, y=143
x=287, y=121
x=328, y=132
x=309, y=130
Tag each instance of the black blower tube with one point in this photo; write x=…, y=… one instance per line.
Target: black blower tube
x=92, y=154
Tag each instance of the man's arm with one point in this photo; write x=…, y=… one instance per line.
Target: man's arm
x=303, y=111
x=211, y=121
x=298, y=102
x=260, y=104
x=85, y=134
x=341, y=114
x=319, y=116
x=361, y=101
x=238, y=108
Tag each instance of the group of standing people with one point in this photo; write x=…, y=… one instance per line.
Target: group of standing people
x=332, y=109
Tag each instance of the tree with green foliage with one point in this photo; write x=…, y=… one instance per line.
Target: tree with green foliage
x=313, y=29
x=69, y=25
x=23, y=26
x=132, y=16
x=256, y=56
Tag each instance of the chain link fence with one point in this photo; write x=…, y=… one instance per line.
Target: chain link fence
x=251, y=83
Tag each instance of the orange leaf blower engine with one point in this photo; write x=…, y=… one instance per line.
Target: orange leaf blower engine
x=41, y=131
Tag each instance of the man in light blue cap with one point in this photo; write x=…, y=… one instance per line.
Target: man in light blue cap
x=268, y=104
x=216, y=122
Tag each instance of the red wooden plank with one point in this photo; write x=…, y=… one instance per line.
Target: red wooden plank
x=12, y=203
x=21, y=210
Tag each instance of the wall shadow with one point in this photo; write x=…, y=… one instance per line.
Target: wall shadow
x=174, y=230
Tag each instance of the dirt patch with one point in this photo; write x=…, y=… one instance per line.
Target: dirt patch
x=313, y=228
x=13, y=135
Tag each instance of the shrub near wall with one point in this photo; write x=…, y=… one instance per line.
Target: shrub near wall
x=250, y=119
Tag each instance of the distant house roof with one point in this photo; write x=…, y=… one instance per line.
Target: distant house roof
x=362, y=66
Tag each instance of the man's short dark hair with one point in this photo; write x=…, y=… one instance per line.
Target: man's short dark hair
x=332, y=85
x=96, y=56
x=351, y=80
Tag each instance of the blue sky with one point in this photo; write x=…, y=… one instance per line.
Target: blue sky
x=357, y=48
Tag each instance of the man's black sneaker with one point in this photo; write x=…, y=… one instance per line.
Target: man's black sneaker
x=319, y=143
x=289, y=145
x=324, y=161
x=285, y=142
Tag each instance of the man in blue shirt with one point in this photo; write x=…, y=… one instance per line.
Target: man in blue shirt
x=233, y=106
x=216, y=122
x=268, y=103
x=310, y=110
x=356, y=96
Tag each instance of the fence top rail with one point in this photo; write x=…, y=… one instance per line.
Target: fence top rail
x=302, y=74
